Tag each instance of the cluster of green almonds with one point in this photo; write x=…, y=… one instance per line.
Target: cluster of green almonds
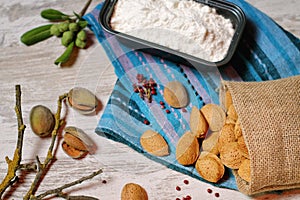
x=69, y=32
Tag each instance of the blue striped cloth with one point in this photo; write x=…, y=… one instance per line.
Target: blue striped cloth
x=265, y=52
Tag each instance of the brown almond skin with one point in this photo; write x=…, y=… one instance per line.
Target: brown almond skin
x=242, y=147
x=231, y=156
x=228, y=99
x=187, y=149
x=226, y=135
x=244, y=170
x=210, y=167
x=133, y=191
x=154, y=143
x=74, y=142
x=231, y=113
x=72, y=152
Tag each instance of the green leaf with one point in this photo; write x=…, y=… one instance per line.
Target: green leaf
x=54, y=15
x=77, y=15
x=66, y=55
x=82, y=23
x=36, y=35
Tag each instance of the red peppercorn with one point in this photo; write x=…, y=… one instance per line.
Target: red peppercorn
x=217, y=194
x=188, y=197
x=186, y=182
x=146, y=122
x=153, y=92
x=177, y=198
x=104, y=181
x=178, y=188
x=162, y=107
x=209, y=190
x=161, y=103
x=167, y=111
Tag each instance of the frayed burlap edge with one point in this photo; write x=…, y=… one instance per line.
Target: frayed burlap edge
x=269, y=113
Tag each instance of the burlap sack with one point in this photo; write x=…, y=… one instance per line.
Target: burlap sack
x=269, y=113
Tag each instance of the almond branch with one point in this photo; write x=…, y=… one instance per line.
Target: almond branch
x=13, y=165
x=58, y=191
x=42, y=167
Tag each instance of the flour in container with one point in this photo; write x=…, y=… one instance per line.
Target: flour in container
x=182, y=25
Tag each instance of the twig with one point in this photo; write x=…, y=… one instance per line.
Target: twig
x=14, y=164
x=82, y=12
x=58, y=191
x=43, y=166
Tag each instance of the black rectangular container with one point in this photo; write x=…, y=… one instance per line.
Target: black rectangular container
x=226, y=9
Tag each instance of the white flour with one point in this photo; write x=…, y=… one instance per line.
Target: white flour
x=182, y=25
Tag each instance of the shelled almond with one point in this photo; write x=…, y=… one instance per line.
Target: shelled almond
x=210, y=167
x=154, y=143
x=198, y=123
x=76, y=143
x=187, y=149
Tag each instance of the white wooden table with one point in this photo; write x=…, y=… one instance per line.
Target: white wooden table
x=42, y=82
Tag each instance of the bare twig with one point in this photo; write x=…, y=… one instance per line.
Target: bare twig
x=82, y=12
x=43, y=166
x=14, y=164
x=58, y=191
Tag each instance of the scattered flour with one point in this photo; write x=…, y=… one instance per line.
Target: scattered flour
x=182, y=25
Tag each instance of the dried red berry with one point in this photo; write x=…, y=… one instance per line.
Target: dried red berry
x=178, y=188
x=162, y=107
x=209, y=190
x=217, y=194
x=188, y=197
x=104, y=181
x=161, y=103
x=186, y=182
x=168, y=111
x=146, y=122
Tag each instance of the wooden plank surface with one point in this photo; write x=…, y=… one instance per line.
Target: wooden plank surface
x=42, y=82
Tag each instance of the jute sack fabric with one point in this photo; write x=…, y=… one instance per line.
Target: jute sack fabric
x=269, y=113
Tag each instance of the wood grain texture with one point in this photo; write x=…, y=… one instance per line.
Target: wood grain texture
x=42, y=82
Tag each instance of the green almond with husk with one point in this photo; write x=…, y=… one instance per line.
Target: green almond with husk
x=54, y=15
x=88, y=143
x=42, y=120
x=82, y=100
x=66, y=55
x=36, y=35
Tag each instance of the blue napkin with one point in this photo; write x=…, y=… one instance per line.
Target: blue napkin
x=265, y=52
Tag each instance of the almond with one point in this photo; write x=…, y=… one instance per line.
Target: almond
x=175, y=94
x=226, y=135
x=214, y=115
x=238, y=129
x=228, y=100
x=231, y=113
x=231, y=156
x=154, y=143
x=210, y=167
x=76, y=143
x=242, y=147
x=187, y=149
x=210, y=143
x=133, y=191
x=244, y=171
x=72, y=152
x=198, y=123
